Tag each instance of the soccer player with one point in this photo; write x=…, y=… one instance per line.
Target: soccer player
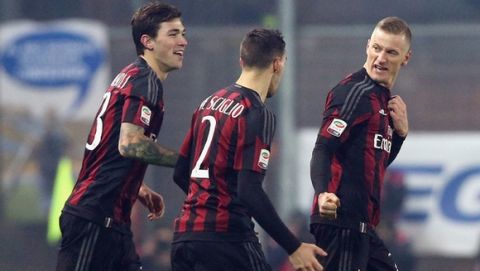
x=221, y=167
x=95, y=221
x=362, y=131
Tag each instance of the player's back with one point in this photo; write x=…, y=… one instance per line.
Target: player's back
x=226, y=132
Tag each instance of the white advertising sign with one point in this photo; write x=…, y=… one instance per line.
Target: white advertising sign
x=60, y=65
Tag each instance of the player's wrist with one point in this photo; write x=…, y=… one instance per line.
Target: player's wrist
x=293, y=246
x=142, y=192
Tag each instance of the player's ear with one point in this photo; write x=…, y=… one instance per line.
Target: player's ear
x=147, y=42
x=407, y=58
x=242, y=64
x=368, y=45
x=276, y=64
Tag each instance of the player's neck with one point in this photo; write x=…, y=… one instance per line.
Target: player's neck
x=154, y=66
x=259, y=81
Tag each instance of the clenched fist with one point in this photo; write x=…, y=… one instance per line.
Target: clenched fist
x=328, y=204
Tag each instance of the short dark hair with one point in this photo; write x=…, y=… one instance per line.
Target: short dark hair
x=395, y=25
x=260, y=46
x=147, y=19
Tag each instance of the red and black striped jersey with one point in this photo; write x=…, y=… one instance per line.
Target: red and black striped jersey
x=230, y=131
x=108, y=183
x=355, y=144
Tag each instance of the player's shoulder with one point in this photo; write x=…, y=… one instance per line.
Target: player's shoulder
x=140, y=80
x=249, y=97
x=139, y=65
x=256, y=110
x=129, y=73
x=249, y=100
x=139, y=71
x=355, y=84
x=235, y=93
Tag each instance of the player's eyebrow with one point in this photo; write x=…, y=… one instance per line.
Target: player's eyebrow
x=388, y=49
x=176, y=30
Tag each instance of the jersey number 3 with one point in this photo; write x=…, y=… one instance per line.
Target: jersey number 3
x=99, y=121
x=203, y=173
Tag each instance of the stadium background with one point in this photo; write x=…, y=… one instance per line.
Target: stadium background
x=441, y=86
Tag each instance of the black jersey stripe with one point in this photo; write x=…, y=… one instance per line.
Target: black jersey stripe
x=83, y=249
x=350, y=251
x=265, y=124
x=88, y=247
x=352, y=93
x=256, y=257
x=250, y=256
x=92, y=247
x=353, y=97
x=272, y=129
x=152, y=87
x=357, y=100
x=347, y=255
x=342, y=249
x=269, y=126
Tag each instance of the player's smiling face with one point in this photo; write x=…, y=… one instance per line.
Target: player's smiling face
x=386, y=53
x=169, y=45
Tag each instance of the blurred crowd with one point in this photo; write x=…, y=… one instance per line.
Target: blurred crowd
x=32, y=147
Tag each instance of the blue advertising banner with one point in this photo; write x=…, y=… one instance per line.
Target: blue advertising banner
x=61, y=65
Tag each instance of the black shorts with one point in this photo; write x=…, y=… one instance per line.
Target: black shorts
x=218, y=256
x=350, y=249
x=87, y=246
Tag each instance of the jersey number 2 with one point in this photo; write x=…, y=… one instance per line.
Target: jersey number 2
x=99, y=121
x=203, y=173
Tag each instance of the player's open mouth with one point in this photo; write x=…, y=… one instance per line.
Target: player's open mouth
x=379, y=68
x=179, y=53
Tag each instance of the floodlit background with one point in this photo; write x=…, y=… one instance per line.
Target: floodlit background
x=58, y=56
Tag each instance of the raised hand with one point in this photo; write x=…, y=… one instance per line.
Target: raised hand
x=398, y=113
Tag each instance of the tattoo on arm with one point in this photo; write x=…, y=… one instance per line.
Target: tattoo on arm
x=134, y=144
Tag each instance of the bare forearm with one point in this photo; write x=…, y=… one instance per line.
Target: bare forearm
x=134, y=144
x=150, y=152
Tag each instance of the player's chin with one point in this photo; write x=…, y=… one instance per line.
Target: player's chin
x=178, y=64
x=176, y=67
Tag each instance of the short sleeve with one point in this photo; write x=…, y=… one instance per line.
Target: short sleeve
x=142, y=94
x=255, y=133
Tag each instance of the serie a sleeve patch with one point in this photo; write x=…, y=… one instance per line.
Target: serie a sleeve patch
x=263, y=158
x=145, y=115
x=337, y=127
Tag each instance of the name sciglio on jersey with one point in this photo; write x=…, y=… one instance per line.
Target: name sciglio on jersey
x=223, y=105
